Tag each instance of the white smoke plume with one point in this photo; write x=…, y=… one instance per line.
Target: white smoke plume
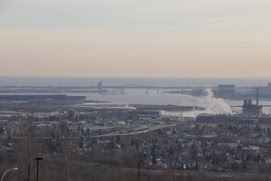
x=214, y=105
x=211, y=105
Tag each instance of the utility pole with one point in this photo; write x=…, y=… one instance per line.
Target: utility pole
x=138, y=170
x=138, y=160
x=38, y=159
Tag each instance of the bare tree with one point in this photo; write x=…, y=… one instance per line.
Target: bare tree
x=29, y=147
x=67, y=149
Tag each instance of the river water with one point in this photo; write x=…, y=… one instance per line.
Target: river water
x=139, y=96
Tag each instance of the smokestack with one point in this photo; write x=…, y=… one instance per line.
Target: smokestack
x=257, y=98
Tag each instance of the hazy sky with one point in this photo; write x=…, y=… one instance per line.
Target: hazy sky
x=135, y=38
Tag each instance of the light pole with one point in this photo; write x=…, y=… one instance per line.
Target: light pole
x=168, y=166
x=15, y=168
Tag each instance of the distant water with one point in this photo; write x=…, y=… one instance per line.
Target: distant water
x=152, y=97
x=90, y=81
x=140, y=96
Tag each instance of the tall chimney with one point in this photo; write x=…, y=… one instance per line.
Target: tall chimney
x=257, y=98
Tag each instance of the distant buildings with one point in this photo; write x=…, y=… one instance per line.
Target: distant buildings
x=229, y=91
x=100, y=86
x=225, y=91
x=71, y=115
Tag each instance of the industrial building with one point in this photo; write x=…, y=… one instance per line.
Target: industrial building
x=225, y=91
x=250, y=109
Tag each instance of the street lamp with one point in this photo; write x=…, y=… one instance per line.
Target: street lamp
x=168, y=166
x=15, y=168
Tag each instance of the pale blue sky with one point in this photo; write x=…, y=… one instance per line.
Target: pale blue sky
x=103, y=13
x=174, y=38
